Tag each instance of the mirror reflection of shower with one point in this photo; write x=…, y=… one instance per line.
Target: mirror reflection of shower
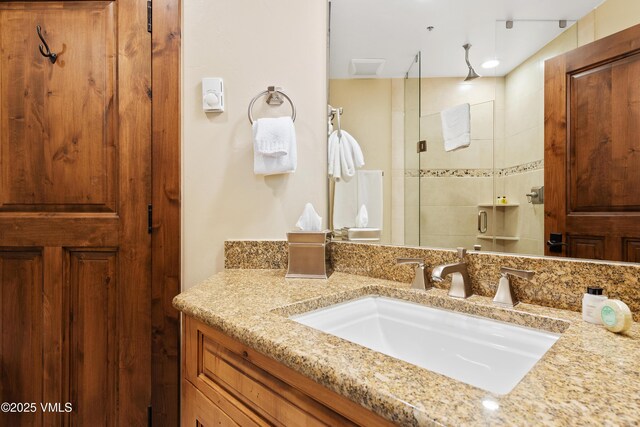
x=405, y=207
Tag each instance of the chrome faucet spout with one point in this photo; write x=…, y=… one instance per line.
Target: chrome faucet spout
x=441, y=271
x=460, y=281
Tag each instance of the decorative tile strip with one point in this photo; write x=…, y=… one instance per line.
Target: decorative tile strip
x=526, y=167
x=456, y=173
x=475, y=173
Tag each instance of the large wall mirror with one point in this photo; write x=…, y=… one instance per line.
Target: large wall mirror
x=409, y=80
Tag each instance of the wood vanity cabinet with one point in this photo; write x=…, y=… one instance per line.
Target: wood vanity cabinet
x=226, y=383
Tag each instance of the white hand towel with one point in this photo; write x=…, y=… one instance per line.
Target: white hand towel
x=268, y=163
x=355, y=150
x=345, y=203
x=347, y=166
x=272, y=136
x=332, y=147
x=456, y=127
x=370, y=194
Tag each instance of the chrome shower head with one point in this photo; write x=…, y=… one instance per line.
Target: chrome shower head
x=472, y=73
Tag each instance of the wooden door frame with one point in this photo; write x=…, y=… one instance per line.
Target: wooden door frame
x=166, y=200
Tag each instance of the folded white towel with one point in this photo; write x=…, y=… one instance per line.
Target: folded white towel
x=347, y=167
x=344, y=156
x=332, y=157
x=272, y=136
x=456, y=127
x=270, y=164
x=356, y=151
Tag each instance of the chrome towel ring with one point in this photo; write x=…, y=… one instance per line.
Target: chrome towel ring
x=274, y=98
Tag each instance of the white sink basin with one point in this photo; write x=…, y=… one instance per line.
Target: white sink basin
x=484, y=353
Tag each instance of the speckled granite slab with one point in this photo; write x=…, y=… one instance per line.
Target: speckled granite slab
x=558, y=283
x=589, y=377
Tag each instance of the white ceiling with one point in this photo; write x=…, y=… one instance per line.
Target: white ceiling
x=396, y=29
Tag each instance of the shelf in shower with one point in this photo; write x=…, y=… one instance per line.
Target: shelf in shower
x=488, y=237
x=498, y=205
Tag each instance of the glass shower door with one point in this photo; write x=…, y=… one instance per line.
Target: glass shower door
x=456, y=202
x=412, y=84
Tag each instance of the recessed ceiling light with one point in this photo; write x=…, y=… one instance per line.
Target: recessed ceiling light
x=492, y=63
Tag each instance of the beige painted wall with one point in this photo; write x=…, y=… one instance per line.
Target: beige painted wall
x=608, y=18
x=367, y=117
x=251, y=45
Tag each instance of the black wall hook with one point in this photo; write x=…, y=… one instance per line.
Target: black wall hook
x=45, y=51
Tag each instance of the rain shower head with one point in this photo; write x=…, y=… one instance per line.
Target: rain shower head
x=472, y=73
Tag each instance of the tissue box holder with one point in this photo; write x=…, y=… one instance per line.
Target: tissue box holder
x=308, y=256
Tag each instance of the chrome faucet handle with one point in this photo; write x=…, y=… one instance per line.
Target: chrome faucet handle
x=419, y=280
x=525, y=274
x=461, y=253
x=504, y=295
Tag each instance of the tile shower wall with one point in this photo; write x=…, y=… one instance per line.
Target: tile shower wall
x=520, y=154
x=453, y=184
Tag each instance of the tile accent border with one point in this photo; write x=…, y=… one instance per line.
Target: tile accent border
x=474, y=173
x=558, y=283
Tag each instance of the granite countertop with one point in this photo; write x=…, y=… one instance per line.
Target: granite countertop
x=590, y=376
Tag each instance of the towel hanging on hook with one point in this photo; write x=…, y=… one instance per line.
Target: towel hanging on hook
x=45, y=51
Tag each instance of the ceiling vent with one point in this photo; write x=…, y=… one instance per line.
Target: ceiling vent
x=366, y=67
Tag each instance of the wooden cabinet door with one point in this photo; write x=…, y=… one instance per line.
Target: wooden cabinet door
x=74, y=189
x=592, y=148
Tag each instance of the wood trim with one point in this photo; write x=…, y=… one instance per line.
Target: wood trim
x=166, y=200
x=134, y=253
x=555, y=147
x=607, y=49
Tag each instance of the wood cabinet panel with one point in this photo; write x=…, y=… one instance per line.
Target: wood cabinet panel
x=21, y=331
x=93, y=336
x=58, y=121
x=604, y=150
x=198, y=411
x=586, y=247
x=244, y=383
x=631, y=250
x=273, y=399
